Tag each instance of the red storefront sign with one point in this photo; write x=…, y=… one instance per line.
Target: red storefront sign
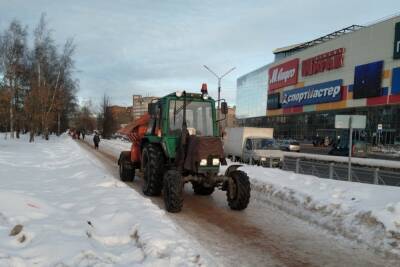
x=283, y=75
x=324, y=62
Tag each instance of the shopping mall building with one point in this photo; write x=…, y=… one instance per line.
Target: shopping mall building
x=355, y=70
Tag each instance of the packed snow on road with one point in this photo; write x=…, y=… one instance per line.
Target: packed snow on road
x=58, y=207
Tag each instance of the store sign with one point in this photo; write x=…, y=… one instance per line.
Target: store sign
x=283, y=75
x=396, y=50
x=313, y=94
x=324, y=62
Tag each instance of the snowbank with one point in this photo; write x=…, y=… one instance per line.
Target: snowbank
x=377, y=163
x=364, y=212
x=73, y=213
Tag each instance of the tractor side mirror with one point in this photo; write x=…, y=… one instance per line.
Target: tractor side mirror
x=152, y=109
x=224, y=108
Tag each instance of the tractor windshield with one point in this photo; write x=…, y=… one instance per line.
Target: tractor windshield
x=199, y=119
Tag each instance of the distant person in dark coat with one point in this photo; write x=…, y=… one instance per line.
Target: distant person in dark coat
x=96, y=140
x=83, y=134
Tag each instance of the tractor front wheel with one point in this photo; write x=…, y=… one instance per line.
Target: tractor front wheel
x=173, y=191
x=153, y=168
x=126, y=169
x=238, y=193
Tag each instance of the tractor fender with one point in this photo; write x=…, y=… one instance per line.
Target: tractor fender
x=232, y=168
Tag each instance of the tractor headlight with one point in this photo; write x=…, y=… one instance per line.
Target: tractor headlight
x=215, y=162
x=205, y=96
x=203, y=162
x=263, y=159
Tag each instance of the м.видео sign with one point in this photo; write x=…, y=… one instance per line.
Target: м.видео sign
x=284, y=74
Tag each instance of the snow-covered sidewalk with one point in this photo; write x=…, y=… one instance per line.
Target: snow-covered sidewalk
x=364, y=212
x=73, y=213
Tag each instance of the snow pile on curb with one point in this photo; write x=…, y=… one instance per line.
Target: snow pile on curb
x=362, y=212
x=59, y=207
x=377, y=163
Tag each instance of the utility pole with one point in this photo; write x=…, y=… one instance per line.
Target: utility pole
x=219, y=82
x=350, y=148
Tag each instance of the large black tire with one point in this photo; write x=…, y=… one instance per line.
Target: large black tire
x=153, y=170
x=126, y=169
x=199, y=189
x=241, y=193
x=173, y=191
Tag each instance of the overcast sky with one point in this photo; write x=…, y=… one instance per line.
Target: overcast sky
x=127, y=47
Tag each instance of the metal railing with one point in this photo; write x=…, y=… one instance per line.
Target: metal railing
x=339, y=171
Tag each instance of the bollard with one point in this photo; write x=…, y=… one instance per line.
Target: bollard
x=270, y=162
x=331, y=170
x=297, y=165
x=376, y=176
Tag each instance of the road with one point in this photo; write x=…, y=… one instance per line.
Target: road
x=261, y=235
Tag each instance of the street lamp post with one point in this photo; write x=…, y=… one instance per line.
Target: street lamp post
x=219, y=82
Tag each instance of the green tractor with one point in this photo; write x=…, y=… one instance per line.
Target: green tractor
x=182, y=144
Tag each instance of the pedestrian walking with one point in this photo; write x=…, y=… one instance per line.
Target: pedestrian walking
x=96, y=140
x=83, y=134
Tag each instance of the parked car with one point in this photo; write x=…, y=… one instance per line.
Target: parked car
x=290, y=145
x=360, y=149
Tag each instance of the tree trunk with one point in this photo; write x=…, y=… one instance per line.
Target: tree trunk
x=58, y=124
x=11, y=110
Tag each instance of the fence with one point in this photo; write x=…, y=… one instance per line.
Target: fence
x=339, y=171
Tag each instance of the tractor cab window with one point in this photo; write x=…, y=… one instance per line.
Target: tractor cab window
x=154, y=123
x=199, y=119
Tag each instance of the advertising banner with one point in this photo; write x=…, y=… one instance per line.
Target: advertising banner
x=283, y=75
x=313, y=94
x=367, y=80
x=396, y=50
x=273, y=101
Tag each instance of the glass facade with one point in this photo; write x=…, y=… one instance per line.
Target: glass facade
x=251, y=94
x=306, y=126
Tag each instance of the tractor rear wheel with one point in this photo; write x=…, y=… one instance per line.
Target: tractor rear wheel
x=199, y=189
x=238, y=193
x=153, y=168
x=173, y=191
